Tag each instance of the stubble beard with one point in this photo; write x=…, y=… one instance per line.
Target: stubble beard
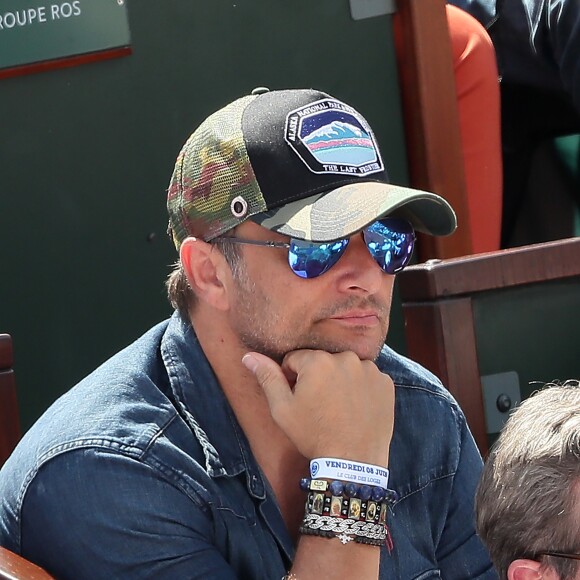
x=257, y=324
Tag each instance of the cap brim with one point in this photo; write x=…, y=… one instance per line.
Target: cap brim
x=348, y=209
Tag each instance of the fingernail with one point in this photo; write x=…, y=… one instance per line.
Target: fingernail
x=250, y=362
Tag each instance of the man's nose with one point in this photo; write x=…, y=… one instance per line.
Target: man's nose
x=358, y=270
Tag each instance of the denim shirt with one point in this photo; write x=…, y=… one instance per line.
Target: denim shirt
x=142, y=471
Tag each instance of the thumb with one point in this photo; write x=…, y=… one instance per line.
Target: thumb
x=270, y=377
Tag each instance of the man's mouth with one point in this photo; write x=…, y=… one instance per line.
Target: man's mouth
x=357, y=317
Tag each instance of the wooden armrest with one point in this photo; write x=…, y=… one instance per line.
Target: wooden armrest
x=15, y=567
x=9, y=418
x=445, y=327
x=6, y=356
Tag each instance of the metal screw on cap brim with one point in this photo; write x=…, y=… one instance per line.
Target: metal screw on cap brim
x=260, y=90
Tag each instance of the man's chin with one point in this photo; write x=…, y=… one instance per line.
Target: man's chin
x=368, y=351
x=364, y=341
x=366, y=347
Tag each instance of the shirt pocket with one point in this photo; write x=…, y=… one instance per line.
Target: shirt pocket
x=247, y=545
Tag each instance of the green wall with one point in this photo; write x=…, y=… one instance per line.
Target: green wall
x=86, y=154
x=532, y=330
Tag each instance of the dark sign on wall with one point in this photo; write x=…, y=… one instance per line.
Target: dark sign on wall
x=37, y=34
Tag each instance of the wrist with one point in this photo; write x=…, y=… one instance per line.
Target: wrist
x=350, y=471
x=347, y=511
x=372, y=452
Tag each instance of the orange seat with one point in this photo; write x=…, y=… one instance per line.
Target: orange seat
x=453, y=145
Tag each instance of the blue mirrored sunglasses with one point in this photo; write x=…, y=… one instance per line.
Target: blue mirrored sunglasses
x=390, y=242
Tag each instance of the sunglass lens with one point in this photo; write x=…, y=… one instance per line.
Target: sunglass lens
x=390, y=242
x=310, y=259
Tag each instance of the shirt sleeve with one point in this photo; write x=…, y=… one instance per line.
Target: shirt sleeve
x=483, y=10
x=95, y=514
x=562, y=19
x=460, y=552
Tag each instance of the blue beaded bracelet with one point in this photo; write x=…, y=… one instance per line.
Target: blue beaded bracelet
x=349, y=489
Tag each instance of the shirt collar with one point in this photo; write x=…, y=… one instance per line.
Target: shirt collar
x=205, y=408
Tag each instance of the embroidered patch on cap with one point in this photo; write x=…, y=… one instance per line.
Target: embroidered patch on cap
x=331, y=137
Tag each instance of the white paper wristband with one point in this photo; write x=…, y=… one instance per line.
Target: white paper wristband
x=346, y=470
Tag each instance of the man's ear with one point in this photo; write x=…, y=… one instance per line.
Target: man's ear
x=206, y=270
x=524, y=570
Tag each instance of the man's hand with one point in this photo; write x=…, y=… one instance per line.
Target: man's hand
x=329, y=405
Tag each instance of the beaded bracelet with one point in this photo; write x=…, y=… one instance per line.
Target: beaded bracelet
x=346, y=510
x=358, y=509
x=355, y=509
x=349, y=489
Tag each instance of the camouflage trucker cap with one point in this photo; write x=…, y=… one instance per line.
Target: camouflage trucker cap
x=298, y=162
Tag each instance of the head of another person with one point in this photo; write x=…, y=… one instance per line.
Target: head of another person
x=274, y=205
x=528, y=500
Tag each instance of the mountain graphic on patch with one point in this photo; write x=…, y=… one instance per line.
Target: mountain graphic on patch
x=340, y=142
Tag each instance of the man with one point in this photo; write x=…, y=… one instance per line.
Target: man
x=537, y=44
x=528, y=501
x=183, y=455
